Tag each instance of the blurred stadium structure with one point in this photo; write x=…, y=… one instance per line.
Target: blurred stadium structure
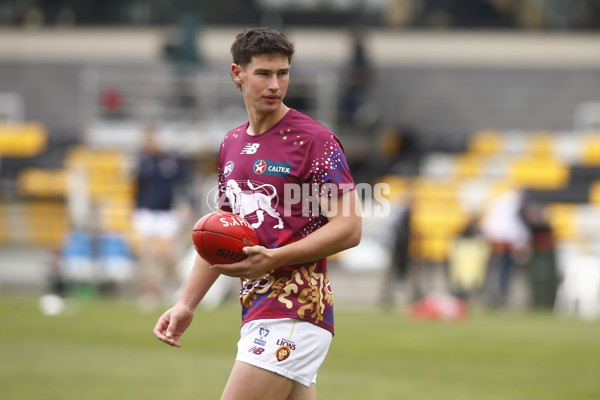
x=481, y=14
x=463, y=102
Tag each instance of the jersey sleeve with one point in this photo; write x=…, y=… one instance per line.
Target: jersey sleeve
x=326, y=166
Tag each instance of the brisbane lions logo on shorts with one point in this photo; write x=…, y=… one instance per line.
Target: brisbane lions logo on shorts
x=282, y=353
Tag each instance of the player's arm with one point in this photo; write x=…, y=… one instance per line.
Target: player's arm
x=341, y=232
x=175, y=321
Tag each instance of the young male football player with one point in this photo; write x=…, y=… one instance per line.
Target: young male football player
x=287, y=175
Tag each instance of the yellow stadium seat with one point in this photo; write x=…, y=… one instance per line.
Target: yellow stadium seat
x=469, y=165
x=591, y=150
x=438, y=219
x=399, y=186
x=499, y=187
x=539, y=173
x=48, y=222
x=42, y=183
x=435, y=191
x=541, y=143
x=77, y=155
x=486, y=142
x=116, y=216
x=105, y=170
x=22, y=140
x=561, y=218
x=435, y=249
x=594, y=196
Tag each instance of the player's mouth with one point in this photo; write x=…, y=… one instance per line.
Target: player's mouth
x=271, y=99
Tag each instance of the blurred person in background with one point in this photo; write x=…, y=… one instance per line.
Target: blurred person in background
x=468, y=260
x=504, y=228
x=286, y=296
x=358, y=77
x=399, y=269
x=159, y=177
x=541, y=264
x=182, y=52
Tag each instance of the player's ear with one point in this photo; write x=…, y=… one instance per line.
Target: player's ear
x=235, y=73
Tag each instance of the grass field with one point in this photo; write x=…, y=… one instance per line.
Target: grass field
x=107, y=351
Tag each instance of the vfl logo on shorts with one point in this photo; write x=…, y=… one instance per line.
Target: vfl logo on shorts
x=263, y=333
x=272, y=168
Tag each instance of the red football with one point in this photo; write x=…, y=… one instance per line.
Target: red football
x=219, y=237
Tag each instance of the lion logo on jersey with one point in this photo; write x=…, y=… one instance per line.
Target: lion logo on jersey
x=258, y=202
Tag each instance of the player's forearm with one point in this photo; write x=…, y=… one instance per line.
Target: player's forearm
x=324, y=242
x=343, y=231
x=199, y=282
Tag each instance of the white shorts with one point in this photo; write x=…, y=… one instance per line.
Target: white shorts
x=163, y=224
x=291, y=348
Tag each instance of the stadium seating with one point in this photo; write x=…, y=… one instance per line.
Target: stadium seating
x=100, y=175
x=558, y=170
x=48, y=222
x=41, y=183
x=22, y=139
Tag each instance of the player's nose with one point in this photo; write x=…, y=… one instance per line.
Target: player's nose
x=273, y=82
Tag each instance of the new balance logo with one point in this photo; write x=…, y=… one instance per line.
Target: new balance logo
x=250, y=148
x=256, y=350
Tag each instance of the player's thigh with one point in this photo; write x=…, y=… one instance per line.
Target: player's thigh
x=301, y=392
x=248, y=382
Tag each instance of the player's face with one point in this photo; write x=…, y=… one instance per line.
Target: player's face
x=264, y=82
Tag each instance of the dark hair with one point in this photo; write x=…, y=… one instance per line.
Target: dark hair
x=258, y=41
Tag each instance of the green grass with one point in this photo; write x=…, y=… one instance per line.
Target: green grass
x=107, y=351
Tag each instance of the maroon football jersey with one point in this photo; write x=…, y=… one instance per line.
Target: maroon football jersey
x=273, y=180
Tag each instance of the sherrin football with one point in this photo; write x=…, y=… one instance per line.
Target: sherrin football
x=219, y=237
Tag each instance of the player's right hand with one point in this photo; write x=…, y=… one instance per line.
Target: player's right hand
x=258, y=262
x=172, y=324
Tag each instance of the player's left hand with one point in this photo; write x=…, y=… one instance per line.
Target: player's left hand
x=259, y=261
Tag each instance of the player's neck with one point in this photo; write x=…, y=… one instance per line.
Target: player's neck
x=259, y=123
